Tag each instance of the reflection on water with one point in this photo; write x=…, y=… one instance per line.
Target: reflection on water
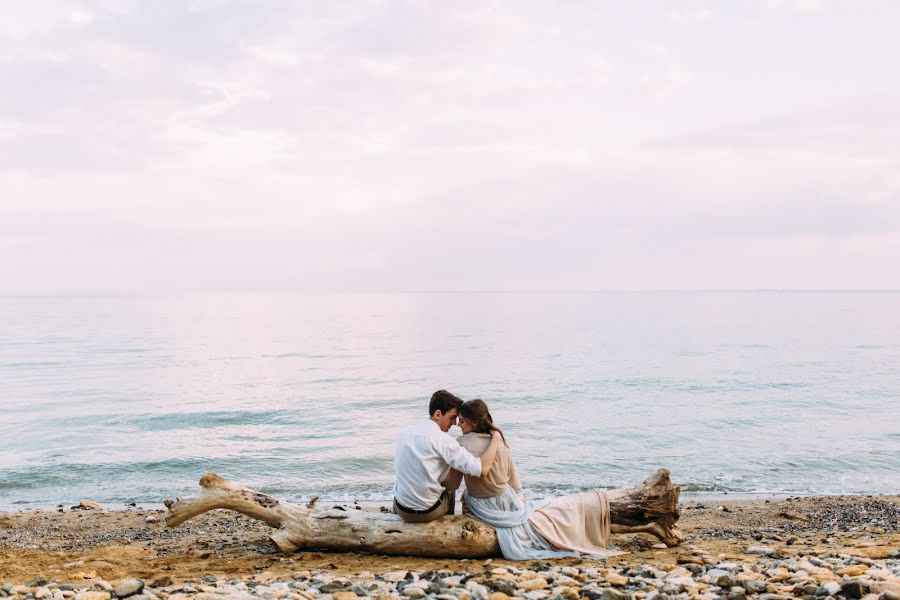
x=134, y=398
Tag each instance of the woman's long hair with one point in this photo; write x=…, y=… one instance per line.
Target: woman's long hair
x=476, y=412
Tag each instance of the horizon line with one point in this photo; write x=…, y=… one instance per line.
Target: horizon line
x=773, y=290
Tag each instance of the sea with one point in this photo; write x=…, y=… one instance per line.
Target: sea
x=132, y=399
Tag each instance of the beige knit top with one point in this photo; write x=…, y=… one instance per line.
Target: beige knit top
x=502, y=472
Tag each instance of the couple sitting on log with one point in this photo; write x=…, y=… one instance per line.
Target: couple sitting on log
x=425, y=459
x=430, y=465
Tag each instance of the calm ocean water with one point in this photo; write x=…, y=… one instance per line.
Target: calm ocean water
x=132, y=399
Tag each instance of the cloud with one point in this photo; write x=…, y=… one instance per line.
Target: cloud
x=690, y=16
x=864, y=125
x=796, y=5
x=396, y=145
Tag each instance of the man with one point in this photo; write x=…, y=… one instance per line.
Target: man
x=423, y=457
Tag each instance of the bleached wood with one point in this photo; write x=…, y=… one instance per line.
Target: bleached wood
x=651, y=508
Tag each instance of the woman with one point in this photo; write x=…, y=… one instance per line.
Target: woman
x=567, y=526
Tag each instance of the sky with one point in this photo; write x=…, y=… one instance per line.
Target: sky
x=422, y=146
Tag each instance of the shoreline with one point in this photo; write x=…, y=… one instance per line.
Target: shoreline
x=90, y=548
x=376, y=505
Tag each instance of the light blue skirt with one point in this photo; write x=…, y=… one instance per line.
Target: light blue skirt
x=518, y=539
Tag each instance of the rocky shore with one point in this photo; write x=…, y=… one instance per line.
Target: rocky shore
x=815, y=548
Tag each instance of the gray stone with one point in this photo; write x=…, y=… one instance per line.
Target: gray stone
x=693, y=568
x=761, y=550
x=830, y=588
x=36, y=582
x=478, y=591
x=613, y=594
x=726, y=581
x=102, y=585
x=754, y=586
x=500, y=585
x=128, y=587
x=736, y=593
x=161, y=582
x=722, y=578
x=853, y=589
x=805, y=589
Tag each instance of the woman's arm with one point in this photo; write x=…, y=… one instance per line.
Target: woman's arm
x=453, y=480
x=514, y=482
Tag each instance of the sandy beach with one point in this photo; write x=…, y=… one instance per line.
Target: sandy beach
x=783, y=543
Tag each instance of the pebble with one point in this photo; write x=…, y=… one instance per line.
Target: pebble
x=766, y=575
x=536, y=583
x=761, y=550
x=128, y=587
x=830, y=588
x=414, y=591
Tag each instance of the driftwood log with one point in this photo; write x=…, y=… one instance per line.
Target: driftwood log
x=651, y=507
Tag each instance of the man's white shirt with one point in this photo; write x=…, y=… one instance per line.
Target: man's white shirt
x=423, y=457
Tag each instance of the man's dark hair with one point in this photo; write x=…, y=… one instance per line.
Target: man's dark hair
x=443, y=401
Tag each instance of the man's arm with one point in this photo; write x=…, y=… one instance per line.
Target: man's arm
x=487, y=459
x=462, y=460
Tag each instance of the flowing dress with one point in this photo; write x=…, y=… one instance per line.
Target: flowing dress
x=572, y=525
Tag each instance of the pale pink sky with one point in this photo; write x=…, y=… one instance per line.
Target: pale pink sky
x=378, y=145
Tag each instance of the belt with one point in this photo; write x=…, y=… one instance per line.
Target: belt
x=420, y=512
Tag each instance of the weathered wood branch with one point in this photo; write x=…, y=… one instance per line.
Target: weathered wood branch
x=650, y=508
